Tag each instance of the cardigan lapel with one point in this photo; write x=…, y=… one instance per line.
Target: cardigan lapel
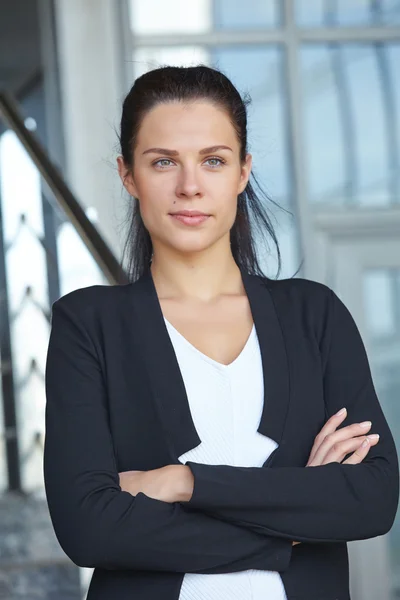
x=273, y=356
x=165, y=377
x=163, y=371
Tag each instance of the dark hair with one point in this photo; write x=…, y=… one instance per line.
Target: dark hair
x=187, y=84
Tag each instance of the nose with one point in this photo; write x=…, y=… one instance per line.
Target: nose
x=188, y=184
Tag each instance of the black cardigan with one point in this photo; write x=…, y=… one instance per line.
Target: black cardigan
x=116, y=401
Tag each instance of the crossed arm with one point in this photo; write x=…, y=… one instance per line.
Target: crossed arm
x=333, y=501
x=175, y=483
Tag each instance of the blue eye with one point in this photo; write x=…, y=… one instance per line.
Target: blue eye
x=220, y=160
x=161, y=160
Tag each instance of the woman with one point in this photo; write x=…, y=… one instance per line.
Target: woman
x=185, y=408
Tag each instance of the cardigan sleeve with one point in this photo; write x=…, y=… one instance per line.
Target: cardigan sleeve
x=328, y=503
x=96, y=523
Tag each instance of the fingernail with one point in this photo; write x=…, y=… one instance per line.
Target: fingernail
x=366, y=424
x=365, y=443
x=341, y=412
x=374, y=436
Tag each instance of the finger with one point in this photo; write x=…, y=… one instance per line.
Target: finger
x=341, y=449
x=361, y=452
x=334, y=438
x=329, y=427
x=336, y=452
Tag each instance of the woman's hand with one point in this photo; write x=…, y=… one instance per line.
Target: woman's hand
x=332, y=446
x=172, y=483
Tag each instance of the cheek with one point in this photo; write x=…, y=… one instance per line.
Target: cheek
x=150, y=192
x=148, y=189
x=228, y=207
x=150, y=211
x=153, y=210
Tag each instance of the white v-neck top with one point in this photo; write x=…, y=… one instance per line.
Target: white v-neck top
x=226, y=404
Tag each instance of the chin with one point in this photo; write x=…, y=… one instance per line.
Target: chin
x=189, y=247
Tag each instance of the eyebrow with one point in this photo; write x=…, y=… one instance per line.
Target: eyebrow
x=176, y=153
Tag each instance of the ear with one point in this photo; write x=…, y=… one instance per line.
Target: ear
x=245, y=173
x=126, y=177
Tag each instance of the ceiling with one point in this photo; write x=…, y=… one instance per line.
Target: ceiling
x=20, y=59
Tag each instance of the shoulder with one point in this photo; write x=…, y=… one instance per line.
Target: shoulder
x=315, y=306
x=304, y=302
x=300, y=292
x=93, y=300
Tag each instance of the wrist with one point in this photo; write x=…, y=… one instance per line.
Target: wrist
x=184, y=483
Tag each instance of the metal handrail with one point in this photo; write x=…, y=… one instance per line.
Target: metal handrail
x=91, y=237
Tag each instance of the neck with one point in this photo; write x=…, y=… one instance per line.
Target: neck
x=205, y=282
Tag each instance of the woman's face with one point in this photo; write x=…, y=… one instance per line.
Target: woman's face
x=180, y=164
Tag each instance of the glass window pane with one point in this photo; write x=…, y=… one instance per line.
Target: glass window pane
x=392, y=57
x=174, y=16
x=200, y=16
x=384, y=354
x=242, y=15
x=350, y=102
x=379, y=303
x=323, y=133
x=362, y=71
x=347, y=12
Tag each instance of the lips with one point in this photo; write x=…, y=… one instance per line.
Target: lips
x=190, y=213
x=191, y=218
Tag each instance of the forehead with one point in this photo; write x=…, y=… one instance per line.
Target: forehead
x=200, y=122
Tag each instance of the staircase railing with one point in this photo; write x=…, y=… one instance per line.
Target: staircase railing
x=90, y=235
